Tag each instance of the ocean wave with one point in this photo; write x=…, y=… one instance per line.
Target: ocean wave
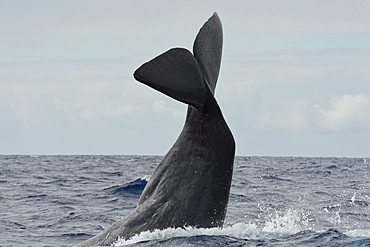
x=133, y=188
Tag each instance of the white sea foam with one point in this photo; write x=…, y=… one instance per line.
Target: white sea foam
x=359, y=233
x=146, y=178
x=279, y=225
x=239, y=230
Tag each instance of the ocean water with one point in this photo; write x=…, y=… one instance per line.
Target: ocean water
x=274, y=201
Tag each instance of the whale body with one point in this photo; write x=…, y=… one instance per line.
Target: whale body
x=191, y=185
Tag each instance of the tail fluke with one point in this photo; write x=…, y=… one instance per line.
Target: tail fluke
x=177, y=74
x=207, y=49
x=182, y=76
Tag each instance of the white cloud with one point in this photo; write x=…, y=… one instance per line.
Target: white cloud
x=161, y=106
x=296, y=115
x=87, y=114
x=59, y=92
x=59, y=104
x=116, y=111
x=347, y=112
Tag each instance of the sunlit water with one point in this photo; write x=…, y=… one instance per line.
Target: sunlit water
x=274, y=201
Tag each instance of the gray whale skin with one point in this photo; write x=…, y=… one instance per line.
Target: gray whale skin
x=191, y=185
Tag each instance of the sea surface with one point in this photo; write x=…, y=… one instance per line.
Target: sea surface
x=274, y=201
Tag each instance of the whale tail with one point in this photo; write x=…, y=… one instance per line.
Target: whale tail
x=182, y=76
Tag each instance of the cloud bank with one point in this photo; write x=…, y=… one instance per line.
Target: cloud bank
x=294, y=76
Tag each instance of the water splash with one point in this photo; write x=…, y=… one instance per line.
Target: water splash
x=289, y=222
x=279, y=225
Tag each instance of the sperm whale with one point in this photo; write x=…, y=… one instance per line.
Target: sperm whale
x=191, y=185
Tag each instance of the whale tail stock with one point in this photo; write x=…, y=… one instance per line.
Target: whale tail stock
x=183, y=76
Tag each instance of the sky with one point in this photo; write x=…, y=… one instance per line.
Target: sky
x=294, y=79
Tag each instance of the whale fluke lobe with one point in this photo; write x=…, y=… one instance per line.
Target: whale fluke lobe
x=207, y=49
x=191, y=185
x=175, y=73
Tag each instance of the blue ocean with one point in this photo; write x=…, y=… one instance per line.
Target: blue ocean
x=274, y=201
